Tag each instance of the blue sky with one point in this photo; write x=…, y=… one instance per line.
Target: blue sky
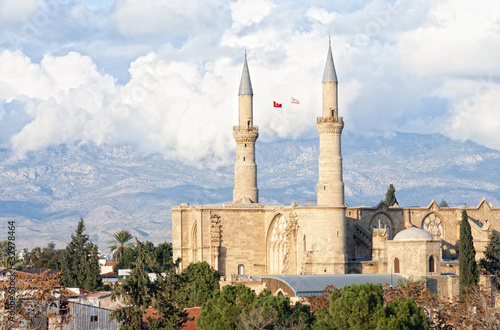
x=163, y=75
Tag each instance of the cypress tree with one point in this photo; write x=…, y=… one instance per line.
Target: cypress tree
x=80, y=262
x=491, y=261
x=469, y=275
x=390, y=196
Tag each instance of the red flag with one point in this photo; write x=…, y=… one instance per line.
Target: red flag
x=277, y=105
x=295, y=101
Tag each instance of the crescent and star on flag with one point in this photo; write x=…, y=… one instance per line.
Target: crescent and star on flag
x=280, y=105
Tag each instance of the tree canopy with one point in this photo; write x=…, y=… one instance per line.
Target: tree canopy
x=362, y=307
x=120, y=244
x=80, y=262
x=468, y=272
x=491, y=261
x=138, y=292
x=390, y=196
x=200, y=281
x=239, y=307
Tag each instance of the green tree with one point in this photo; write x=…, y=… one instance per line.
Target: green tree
x=48, y=257
x=120, y=244
x=223, y=309
x=285, y=315
x=362, y=307
x=491, y=261
x=390, y=196
x=167, y=302
x=79, y=262
x=138, y=292
x=200, y=281
x=469, y=275
x=161, y=257
x=135, y=291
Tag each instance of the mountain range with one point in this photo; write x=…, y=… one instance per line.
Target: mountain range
x=114, y=187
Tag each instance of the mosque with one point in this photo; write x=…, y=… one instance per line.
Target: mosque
x=248, y=238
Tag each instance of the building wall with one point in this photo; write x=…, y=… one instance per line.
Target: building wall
x=442, y=223
x=262, y=239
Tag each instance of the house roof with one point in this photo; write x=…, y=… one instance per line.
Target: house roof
x=307, y=285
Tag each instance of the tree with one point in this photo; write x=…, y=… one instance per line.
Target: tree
x=491, y=261
x=167, y=302
x=80, y=265
x=239, y=307
x=161, y=257
x=48, y=257
x=390, y=196
x=223, y=309
x=138, y=292
x=443, y=204
x=362, y=307
x=200, y=281
x=120, y=244
x=135, y=292
x=468, y=272
x=33, y=299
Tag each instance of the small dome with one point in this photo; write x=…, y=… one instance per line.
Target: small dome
x=413, y=234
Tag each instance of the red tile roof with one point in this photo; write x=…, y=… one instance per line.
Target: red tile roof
x=193, y=312
x=189, y=325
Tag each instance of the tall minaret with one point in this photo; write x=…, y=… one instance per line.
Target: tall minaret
x=245, y=134
x=330, y=125
x=330, y=224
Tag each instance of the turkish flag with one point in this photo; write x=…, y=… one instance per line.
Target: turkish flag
x=277, y=105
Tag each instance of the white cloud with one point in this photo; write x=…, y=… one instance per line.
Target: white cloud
x=248, y=12
x=455, y=38
x=321, y=15
x=165, y=18
x=18, y=11
x=179, y=96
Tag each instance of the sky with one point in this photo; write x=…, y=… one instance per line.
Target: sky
x=163, y=75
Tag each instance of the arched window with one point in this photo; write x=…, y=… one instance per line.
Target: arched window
x=396, y=265
x=241, y=270
x=432, y=264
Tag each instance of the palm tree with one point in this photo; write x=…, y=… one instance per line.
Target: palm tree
x=120, y=244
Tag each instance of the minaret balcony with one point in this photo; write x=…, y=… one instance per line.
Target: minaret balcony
x=320, y=120
x=246, y=129
x=245, y=134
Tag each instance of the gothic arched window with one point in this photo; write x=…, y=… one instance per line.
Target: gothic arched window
x=396, y=265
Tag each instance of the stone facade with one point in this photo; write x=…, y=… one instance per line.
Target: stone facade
x=245, y=237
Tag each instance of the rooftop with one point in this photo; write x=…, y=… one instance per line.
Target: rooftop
x=307, y=285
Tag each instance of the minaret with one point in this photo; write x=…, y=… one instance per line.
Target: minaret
x=245, y=134
x=330, y=185
x=330, y=223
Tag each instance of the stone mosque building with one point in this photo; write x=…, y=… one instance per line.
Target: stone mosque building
x=245, y=237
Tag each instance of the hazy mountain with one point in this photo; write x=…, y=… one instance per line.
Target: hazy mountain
x=113, y=188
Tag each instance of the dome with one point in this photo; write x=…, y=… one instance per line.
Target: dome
x=413, y=234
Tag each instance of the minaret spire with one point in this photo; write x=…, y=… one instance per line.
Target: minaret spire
x=329, y=75
x=245, y=135
x=245, y=83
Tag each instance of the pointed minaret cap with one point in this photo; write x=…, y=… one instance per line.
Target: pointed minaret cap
x=329, y=75
x=245, y=84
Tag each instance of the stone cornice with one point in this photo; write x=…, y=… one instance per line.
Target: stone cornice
x=243, y=134
x=330, y=127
